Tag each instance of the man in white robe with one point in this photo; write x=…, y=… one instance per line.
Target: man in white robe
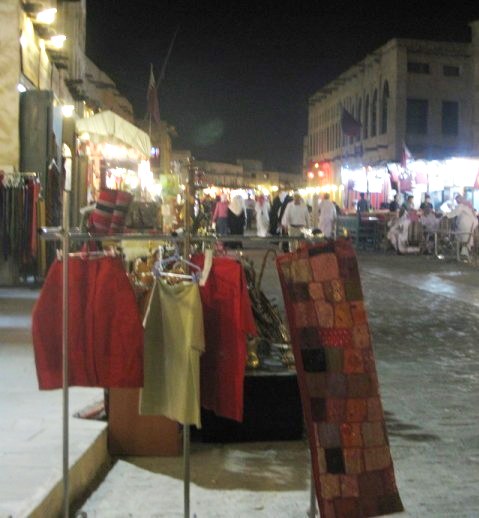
x=327, y=216
x=295, y=217
x=466, y=224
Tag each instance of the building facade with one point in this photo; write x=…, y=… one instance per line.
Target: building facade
x=408, y=96
x=47, y=83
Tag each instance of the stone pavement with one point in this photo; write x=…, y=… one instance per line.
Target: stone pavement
x=423, y=315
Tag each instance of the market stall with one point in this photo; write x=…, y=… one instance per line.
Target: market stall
x=112, y=154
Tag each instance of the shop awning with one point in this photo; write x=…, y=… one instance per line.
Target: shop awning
x=108, y=126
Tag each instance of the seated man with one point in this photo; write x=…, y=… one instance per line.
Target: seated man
x=466, y=224
x=398, y=233
x=430, y=224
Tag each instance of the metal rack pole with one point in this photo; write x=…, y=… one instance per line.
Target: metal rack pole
x=186, y=427
x=65, y=250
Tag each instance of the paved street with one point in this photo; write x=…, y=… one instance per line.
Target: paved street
x=424, y=320
x=423, y=317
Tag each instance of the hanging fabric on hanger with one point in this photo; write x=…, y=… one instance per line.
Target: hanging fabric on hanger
x=19, y=195
x=174, y=341
x=352, y=465
x=105, y=328
x=228, y=320
x=109, y=214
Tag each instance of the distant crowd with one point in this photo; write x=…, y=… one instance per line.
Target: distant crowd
x=289, y=214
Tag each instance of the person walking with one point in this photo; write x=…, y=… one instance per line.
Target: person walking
x=220, y=216
x=295, y=217
x=262, y=216
x=250, y=209
x=327, y=216
x=236, y=219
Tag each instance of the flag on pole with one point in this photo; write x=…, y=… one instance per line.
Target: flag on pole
x=407, y=157
x=152, y=98
x=349, y=125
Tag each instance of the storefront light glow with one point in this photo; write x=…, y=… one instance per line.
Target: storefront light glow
x=47, y=16
x=57, y=41
x=145, y=175
x=67, y=110
x=155, y=190
x=113, y=151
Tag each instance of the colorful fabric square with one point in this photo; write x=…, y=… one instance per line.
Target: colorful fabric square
x=324, y=313
x=316, y=291
x=309, y=337
x=352, y=465
x=335, y=337
x=348, y=268
x=314, y=360
x=358, y=312
x=305, y=315
x=334, y=291
x=301, y=271
x=361, y=337
x=334, y=359
x=325, y=267
x=300, y=292
x=353, y=290
x=122, y=204
x=342, y=316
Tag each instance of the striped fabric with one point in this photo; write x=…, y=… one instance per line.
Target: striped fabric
x=101, y=217
x=110, y=212
x=122, y=204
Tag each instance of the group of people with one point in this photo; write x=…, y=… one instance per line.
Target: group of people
x=235, y=215
x=286, y=215
x=399, y=232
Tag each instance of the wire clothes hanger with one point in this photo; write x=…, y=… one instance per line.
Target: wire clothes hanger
x=177, y=261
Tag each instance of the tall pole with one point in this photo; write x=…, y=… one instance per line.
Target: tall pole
x=65, y=249
x=186, y=427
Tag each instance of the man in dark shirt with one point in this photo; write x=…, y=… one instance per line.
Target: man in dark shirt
x=426, y=204
x=394, y=205
x=363, y=205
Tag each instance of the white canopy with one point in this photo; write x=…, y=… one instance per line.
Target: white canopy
x=111, y=126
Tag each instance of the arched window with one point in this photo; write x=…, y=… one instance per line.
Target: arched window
x=366, y=117
x=384, y=108
x=374, y=114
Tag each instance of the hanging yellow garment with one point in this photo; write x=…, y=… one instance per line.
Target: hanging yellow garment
x=174, y=341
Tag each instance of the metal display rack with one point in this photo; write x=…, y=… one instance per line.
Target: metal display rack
x=66, y=236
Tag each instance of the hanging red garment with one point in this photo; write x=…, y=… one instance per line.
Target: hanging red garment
x=351, y=461
x=228, y=318
x=105, y=328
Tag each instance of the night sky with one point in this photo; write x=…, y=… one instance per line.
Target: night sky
x=240, y=74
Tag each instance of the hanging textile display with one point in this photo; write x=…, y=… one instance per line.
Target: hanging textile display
x=352, y=465
x=228, y=320
x=109, y=214
x=19, y=194
x=105, y=329
x=174, y=341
